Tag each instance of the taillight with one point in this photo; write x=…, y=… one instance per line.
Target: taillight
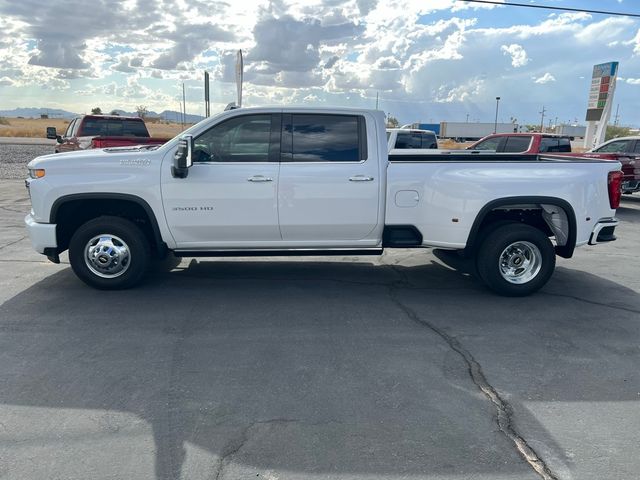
x=615, y=188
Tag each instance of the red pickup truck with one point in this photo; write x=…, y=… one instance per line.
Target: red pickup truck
x=524, y=143
x=625, y=150
x=101, y=131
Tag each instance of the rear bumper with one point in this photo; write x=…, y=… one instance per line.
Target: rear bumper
x=603, y=231
x=42, y=235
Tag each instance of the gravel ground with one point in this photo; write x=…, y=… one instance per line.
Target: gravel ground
x=14, y=159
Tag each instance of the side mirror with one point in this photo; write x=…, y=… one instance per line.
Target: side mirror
x=183, y=158
x=51, y=133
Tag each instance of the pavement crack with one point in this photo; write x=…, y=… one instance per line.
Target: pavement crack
x=13, y=243
x=504, y=410
x=591, y=302
x=234, y=446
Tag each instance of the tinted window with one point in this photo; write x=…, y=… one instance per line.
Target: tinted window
x=429, y=140
x=637, y=149
x=614, y=147
x=488, y=144
x=517, y=144
x=408, y=140
x=325, y=138
x=240, y=139
x=115, y=128
x=564, y=145
x=416, y=140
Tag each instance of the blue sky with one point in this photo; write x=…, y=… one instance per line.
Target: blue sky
x=428, y=60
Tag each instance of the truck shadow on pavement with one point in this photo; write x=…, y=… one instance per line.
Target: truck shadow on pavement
x=313, y=368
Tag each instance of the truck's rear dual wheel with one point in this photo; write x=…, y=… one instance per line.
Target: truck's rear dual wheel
x=109, y=253
x=515, y=259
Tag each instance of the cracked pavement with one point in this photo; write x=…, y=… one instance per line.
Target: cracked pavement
x=332, y=368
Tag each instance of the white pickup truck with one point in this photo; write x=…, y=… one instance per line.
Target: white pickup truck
x=300, y=181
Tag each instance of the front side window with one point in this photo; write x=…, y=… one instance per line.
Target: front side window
x=239, y=139
x=70, y=128
x=488, y=144
x=326, y=138
x=619, y=146
x=517, y=144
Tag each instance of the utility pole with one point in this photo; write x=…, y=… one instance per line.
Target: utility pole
x=495, y=124
x=617, y=117
x=184, y=104
x=542, y=120
x=467, y=118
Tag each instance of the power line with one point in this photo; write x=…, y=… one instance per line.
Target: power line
x=548, y=7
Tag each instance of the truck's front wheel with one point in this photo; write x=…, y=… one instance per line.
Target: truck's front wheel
x=515, y=260
x=109, y=253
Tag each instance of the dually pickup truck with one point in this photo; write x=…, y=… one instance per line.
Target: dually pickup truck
x=300, y=181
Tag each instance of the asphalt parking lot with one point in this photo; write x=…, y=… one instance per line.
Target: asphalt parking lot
x=343, y=368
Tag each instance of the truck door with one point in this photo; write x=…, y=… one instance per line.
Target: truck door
x=229, y=197
x=329, y=179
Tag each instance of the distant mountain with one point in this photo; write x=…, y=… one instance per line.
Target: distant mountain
x=32, y=112
x=169, y=115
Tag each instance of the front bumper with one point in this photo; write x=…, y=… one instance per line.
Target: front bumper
x=42, y=235
x=603, y=231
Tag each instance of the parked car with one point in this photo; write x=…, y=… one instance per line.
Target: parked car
x=101, y=131
x=411, y=138
x=523, y=143
x=300, y=181
x=625, y=150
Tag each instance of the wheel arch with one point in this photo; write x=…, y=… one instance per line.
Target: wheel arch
x=483, y=219
x=103, y=201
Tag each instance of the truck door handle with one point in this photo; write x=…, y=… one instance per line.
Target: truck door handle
x=259, y=178
x=360, y=178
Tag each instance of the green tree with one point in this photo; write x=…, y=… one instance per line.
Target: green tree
x=392, y=122
x=615, y=131
x=96, y=111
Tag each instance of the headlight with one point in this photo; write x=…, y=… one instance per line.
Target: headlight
x=36, y=172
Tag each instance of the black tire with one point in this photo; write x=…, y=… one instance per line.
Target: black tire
x=123, y=274
x=526, y=266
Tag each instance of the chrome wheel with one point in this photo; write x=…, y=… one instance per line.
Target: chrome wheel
x=520, y=262
x=107, y=256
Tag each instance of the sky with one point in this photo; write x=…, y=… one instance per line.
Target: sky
x=428, y=61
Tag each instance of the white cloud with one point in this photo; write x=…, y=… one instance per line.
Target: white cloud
x=632, y=81
x=518, y=54
x=546, y=78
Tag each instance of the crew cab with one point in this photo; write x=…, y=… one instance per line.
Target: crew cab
x=299, y=181
x=411, y=138
x=625, y=150
x=523, y=143
x=100, y=131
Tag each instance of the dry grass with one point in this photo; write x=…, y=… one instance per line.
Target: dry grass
x=36, y=127
x=31, y=127
x=446, y=144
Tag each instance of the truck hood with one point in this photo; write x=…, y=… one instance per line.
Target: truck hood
x=108, y=156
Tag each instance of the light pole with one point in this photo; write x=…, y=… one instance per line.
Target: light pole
x=495, y=124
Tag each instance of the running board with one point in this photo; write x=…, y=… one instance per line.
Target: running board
x=277, y=253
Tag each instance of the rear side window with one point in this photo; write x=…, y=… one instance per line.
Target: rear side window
x=517, y=144
x=619, y=146
x=554, y=145
x=637, y=149
x=327, y=138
